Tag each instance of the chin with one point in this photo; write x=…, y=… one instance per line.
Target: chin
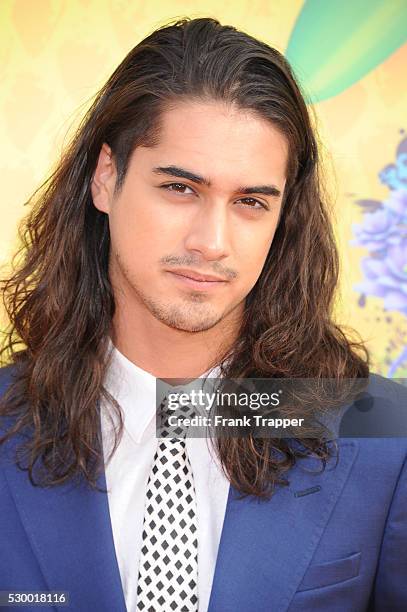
x=186, y=322
x=189, y=318
x=192, y=326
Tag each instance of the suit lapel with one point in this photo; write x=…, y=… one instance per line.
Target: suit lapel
x=264, y=551
x=266, y=546
x=70, y=533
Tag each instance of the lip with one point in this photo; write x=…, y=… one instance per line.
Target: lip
x=198, y=276
x=194, y=280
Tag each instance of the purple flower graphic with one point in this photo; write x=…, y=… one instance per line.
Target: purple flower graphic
x=387, y=278
x=397, y=204
x=383, y=232
x=395, y=175
x=378, y=230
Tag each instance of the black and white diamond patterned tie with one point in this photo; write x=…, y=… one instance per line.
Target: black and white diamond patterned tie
x=168, y=569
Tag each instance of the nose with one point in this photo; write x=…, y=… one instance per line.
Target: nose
x=210, y=232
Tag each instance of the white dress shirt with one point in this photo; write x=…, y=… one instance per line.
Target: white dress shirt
x=128, y=471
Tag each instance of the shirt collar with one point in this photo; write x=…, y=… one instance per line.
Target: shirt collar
x=135, y=391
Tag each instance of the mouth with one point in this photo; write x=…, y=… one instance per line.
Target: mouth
x=195, y=280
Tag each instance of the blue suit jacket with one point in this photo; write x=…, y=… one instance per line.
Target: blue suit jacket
x=331, y=541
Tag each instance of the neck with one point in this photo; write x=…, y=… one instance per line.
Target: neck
x=166, y=352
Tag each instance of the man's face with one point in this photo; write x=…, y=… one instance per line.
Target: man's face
x=203, y=203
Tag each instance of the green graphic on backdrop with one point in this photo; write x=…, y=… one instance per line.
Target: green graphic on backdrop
x=335, y=44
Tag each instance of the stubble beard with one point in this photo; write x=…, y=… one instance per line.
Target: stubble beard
x=193, y=313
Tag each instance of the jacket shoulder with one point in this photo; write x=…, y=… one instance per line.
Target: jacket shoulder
x=391, y=387
x=379, y=411
x=6, y=377
x=7, y=374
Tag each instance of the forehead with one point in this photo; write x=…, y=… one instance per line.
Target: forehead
x=221, y=142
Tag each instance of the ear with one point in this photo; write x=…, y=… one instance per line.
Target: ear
x=104, y=180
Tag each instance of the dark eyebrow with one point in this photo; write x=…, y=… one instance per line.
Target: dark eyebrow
x=181, y=173
x=177, y=172
x=270, y=190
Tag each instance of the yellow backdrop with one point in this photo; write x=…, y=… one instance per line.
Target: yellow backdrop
x=55, y=54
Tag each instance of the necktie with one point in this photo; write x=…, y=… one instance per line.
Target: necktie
x=168, y=569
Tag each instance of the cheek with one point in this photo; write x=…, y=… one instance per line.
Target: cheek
x=130, y=223
x=251, y=256
x=142, y=235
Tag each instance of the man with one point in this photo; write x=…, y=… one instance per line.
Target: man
x=183, y=236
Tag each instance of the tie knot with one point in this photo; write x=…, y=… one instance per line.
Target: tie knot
x=170, y=420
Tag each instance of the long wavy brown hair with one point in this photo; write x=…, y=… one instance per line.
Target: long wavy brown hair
x=59, y=299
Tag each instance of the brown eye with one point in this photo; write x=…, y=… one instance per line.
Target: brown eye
x=177, y=187
x=253, y=203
